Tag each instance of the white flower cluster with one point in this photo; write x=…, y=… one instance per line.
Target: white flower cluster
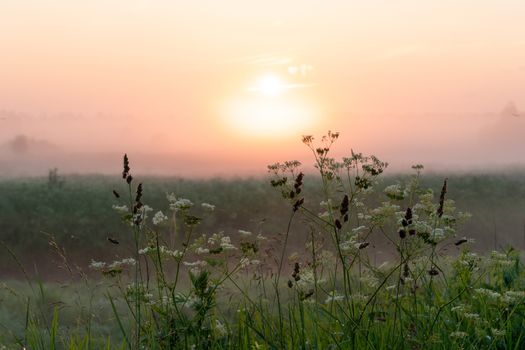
x=246, y=262
x=386, y=210
x=326, y=204
x=226, y=243
x=178, y=204
x=208, y=206
x=394, y=192
x=100, y=265
x=498, y=332
x=364, y=216
x=97, y=265
x=490, y=294
x=123, y=262
x=159, y=218
x=325, y=215
x=333, y=296
x=469, y=259
x=471, y=315
x=501, y=259
x=352, y=244
x=164, y=252
x=359, y=229
x=218, y=239
x=512, y=296
x=508, y=297
x=245, y=233
x=196, y=266
x=458, y=335
x=181, y=204
x=201, y=251
x=121, y=208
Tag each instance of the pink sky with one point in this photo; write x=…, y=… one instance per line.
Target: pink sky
x=412, y=81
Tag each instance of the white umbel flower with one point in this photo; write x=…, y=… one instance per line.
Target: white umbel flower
x=208, y=206
x=159, y=218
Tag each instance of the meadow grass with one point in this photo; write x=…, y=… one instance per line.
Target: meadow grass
x=176, y=287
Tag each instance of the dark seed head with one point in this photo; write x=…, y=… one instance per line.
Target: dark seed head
x=129, y=178
x=290, y=284
x=307, y=295
x=139, y=193
x=344, y=206
x=298, y=204
x=433, y=272
x=402, y=233
x=408, y=214
x=115, y=193
x=112, y=240
x=461, y=241
x=125, y=171
x=442, y=199
x=363, y=245
x=406, y=270
x=338, y=224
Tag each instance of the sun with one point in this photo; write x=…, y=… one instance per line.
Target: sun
x=270, y=107
x=271, y=85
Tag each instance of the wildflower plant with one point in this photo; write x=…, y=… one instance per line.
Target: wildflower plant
x=174, y=275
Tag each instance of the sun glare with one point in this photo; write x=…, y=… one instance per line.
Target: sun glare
x=270, y=107
x=270, y=85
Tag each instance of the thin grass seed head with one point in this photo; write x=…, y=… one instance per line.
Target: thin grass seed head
x=442, y=199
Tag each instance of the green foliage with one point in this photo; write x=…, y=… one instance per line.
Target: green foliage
x=247, y=273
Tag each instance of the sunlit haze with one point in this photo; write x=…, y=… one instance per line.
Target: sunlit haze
x=225, y=87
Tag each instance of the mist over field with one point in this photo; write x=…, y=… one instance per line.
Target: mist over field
x=31, y=144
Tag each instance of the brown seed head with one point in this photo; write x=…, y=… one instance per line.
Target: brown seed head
x=461, y=241
x=433, y=272
x=125, y=171
x=298, y=204
x=139, y=193
x=442, y=199
x=113, y=240
x=344, y=205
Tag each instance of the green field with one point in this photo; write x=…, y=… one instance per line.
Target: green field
x=329, y=260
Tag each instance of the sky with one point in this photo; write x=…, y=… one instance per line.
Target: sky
x=203, y=88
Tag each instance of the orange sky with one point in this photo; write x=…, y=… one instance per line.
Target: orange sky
x=397, y=78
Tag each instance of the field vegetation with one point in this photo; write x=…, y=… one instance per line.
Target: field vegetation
x=347, y=258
